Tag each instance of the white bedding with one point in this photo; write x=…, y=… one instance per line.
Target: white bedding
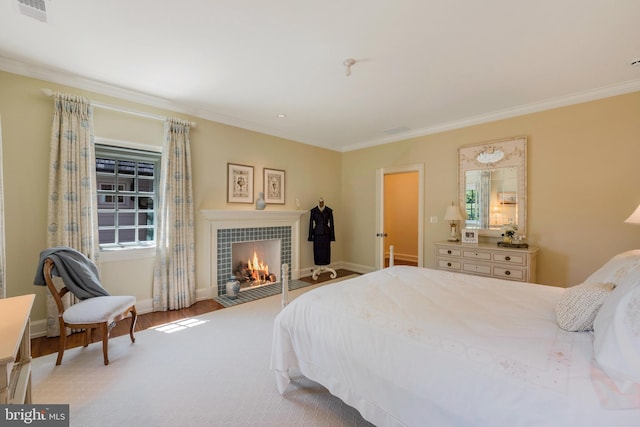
x=413, y=346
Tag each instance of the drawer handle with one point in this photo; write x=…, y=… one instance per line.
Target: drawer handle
x=449, y=251
x=448, y=264
x=507, y=258
x=507, y=272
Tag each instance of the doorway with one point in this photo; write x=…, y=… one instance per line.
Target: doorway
x=400, y=215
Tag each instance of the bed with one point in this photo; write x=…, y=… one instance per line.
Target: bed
x=410, y=346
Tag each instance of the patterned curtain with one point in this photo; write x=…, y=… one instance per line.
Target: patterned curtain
x=174, y=272
x=72, y=216
x=3, y=277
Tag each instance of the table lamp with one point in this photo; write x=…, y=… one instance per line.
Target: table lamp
x=453, y=216
x=634, y=218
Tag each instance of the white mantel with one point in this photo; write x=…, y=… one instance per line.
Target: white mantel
x=222, y=219
x=242, y=216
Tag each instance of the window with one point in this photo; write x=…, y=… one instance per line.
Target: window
x=127, y=181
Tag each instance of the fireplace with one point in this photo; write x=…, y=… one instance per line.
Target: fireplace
x=231, y=227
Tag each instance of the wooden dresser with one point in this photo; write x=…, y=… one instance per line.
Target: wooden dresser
x=485, y=259
x=15, y=350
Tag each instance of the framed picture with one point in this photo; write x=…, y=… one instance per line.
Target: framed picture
x=239, y=183
x=274, y=186
x=470, y=236
x=508, y=198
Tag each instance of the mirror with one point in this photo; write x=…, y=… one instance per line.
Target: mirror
x=493, y=185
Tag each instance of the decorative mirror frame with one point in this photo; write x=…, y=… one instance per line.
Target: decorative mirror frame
x=489, y=155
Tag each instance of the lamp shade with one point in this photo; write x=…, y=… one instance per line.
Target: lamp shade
x=634, y=218
x=453, y=214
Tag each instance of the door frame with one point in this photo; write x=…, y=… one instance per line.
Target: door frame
x=379, y=223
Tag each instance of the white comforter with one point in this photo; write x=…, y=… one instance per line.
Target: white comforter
x=412, y=346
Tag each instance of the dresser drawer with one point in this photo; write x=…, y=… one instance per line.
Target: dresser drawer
x=449, y=252
x=449, y=264
x=475, y=254
x=510, y=258
x=509, y=273
x=476, y=268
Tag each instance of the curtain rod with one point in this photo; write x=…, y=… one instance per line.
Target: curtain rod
x=97, y=104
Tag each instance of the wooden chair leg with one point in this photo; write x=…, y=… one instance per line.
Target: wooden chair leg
x=104, y=328
x=87, y=337
x=134, y=315
x=62, y=342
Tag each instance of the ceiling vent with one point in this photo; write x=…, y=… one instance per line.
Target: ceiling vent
x=33, y=8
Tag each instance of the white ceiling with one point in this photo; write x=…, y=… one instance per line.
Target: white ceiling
x=423, y=66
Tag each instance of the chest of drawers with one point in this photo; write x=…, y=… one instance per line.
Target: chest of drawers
x=487, y=259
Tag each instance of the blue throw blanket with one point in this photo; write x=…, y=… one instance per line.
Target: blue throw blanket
x=79, y=273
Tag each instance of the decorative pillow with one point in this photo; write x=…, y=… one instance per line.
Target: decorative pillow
x=616, y=340
x=578, y=305
x=617, y=268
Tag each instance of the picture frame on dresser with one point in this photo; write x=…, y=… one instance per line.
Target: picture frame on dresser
x=469, y=236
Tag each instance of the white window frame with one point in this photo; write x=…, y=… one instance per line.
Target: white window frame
x=129, y=250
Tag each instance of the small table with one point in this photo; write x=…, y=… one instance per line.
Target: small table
x=15, y=349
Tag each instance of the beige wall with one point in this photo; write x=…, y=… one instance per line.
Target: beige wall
x=311, y=173
x=583, y=181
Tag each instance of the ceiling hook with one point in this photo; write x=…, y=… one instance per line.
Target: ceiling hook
x=349, y=63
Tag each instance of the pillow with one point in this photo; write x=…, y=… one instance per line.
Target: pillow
x=616, y=342
x=617, y=268
x=578, y=305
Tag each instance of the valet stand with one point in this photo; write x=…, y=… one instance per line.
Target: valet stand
x=320, y=269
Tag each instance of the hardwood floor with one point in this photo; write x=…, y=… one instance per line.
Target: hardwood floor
x=42, y=346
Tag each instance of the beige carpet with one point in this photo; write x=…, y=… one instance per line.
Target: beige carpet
x=211, y=370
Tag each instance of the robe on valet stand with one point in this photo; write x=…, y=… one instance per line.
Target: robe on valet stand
x=321, y=233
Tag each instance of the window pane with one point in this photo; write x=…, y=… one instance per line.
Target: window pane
x=106, y=219
x=145, y=202
x=127, y=235
x=106, y=183
x=105, y=165
x=145, y=185
x=126, y=184
x=107, y=236
x=126, y=167
x=145, y=218
x=126, y=218
x=145, y=234
x=145, y=169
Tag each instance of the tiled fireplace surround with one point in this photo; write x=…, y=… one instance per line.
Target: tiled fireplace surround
x=232, y=226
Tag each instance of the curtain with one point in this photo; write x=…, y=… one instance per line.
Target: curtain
x=174, y=271
x=3, y=276
x=72, y=216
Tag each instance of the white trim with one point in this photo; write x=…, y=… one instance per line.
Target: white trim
x=379, y=222
x=127, y=144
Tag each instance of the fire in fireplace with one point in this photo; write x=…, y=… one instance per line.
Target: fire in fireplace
x=253, y=273
x=251, y=261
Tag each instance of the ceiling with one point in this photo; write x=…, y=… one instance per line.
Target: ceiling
x=422, y=66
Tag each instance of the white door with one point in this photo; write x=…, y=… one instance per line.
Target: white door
x=406, y=202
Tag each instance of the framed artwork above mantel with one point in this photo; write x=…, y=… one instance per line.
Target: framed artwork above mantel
x=274, y=186
x=239, y=183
